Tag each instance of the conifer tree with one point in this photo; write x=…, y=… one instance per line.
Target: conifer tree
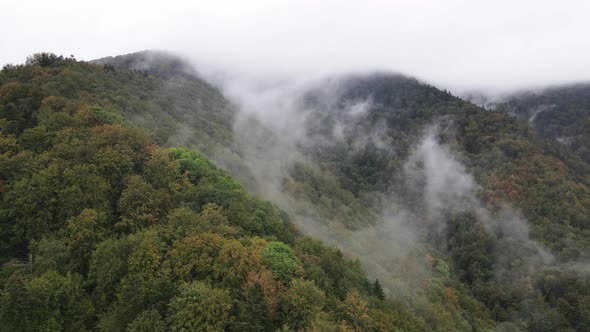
x=378, y=290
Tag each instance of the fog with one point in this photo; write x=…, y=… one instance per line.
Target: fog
x=275, y=129
x=296, y=127
x=266, y=56
x=457, y=44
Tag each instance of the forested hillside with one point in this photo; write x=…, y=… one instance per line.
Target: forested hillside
x=558, y=113
x=524, y=256
x=114, y=219
x=349, y=156
x=103, y=229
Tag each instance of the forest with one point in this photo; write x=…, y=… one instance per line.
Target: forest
x=134, y=197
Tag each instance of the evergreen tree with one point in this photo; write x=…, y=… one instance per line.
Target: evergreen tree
x=378, y=290
x=253, y=311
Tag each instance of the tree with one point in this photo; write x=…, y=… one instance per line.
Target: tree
x=83, y=233
x=36, y=139
x=15, y=304
x=194, y=256
x=181, y=222
x=270, y=287
x=378, y=290
x=113, y=164
x=280, y=259
x=35, y=203
x=145, y=257
x=302, y=302
x=50, y=255
x=140, y=204
x=162, y=171
x=108, y=265
x=213, y=215
x=135, y=294
x=43, y=59
x=233, y=263
x=357, y=311
x=148, y=321
x=83, y=188
x=50, y=302
x=199, y=307
x=253, y=311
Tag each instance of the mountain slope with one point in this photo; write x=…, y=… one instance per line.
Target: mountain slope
x=102, y=229
x=559, y=113
x=384, y=163
x=469, y=219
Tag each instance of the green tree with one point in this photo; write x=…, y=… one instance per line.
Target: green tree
x=50, y=255
x=84, y=232
x=378, y=290
x=108, y=265
x=148, y=321
x=36, y=139
x=280, y=259
x=302, y=302
x=43, y=59
x=199, y=307
x=253, y=311
x=356, y=309
x=140, y=205
x=194, y=256
x=50, y=302
x=36, y=204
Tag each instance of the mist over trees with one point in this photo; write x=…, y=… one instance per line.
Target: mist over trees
x=129, y=202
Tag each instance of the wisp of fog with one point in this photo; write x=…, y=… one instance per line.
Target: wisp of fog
x=276, y=126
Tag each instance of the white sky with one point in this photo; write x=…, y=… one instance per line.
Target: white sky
x=460, y=44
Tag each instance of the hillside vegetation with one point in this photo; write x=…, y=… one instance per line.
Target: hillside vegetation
x=113, y=218
x=102, y=229
x=558, y=113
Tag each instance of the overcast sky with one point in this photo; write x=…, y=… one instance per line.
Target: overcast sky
x=456, y=44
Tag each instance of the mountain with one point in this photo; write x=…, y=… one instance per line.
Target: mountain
x=159, y=63
x=559, y=113
x=469, y=218
x=350, y=154
x=103, y=229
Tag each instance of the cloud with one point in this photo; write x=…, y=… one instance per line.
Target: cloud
x=456, y=44
x=434, y=173
x=280, y=121
x=443, y=181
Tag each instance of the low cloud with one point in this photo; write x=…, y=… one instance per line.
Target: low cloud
x=278, y=122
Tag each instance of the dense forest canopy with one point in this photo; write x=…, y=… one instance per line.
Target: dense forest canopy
x=124, y=206
x=104, y=229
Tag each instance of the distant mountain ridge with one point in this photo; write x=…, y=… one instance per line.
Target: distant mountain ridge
x=557, y=113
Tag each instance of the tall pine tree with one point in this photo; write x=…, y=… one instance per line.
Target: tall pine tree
x=253, y=311
x=378, y=290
